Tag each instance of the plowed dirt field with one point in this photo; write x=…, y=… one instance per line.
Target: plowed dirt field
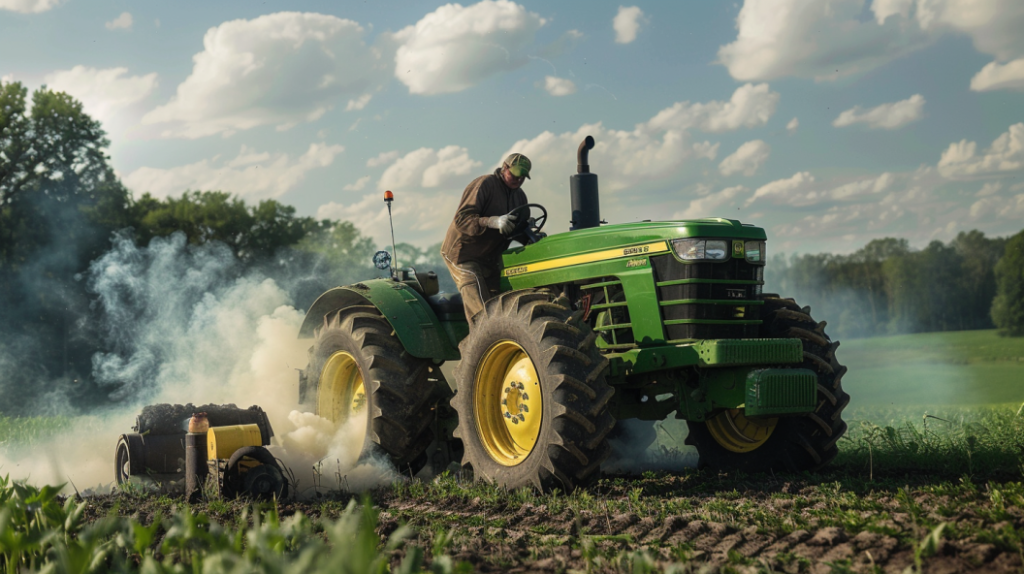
x=690, y=521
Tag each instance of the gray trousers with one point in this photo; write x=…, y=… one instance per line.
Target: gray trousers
x=476, y=282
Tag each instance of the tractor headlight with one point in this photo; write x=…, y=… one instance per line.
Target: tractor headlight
x=701, y=249
x=755, y=252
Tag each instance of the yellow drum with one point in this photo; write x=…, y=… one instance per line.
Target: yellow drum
x=222, y=442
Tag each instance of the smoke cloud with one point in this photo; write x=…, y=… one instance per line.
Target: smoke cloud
x=190, y=324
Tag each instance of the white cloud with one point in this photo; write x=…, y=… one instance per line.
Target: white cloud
x=103, y=93
x=750, y=106
x=995, y=207
x=383, y=158
x=1005, y=155
x=792, y=125
x=627, y=23
x=359, y=184
x=990, y=188
x=993, y=25
x=454, y=47
x=782, y=189
x=251, y=175
x=996, y=76
x=358, y=103
x=559, y=86
x=622, y=158
x=29, y=6
x=706, y=150
x=886, y=116
x=122, y=22
x=885, y=8
x=427, y=168
x=659, y=152
x=279, y=69
x=714, y=204
x=822, y=39
x=420, y=216
x=748, y=158
x=827, y=39
x=803, y=190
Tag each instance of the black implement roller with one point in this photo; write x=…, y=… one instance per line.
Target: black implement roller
x=157, y=448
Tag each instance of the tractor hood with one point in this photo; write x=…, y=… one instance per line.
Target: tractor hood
x=626, y=234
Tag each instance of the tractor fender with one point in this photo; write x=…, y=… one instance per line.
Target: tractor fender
x=415, y=323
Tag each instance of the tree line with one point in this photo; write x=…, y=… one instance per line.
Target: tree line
x=886, y=287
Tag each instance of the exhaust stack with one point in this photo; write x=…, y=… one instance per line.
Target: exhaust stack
x=586, y=208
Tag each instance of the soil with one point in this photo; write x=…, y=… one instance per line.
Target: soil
x=696, y=520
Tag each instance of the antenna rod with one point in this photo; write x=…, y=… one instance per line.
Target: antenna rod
x=388, y=198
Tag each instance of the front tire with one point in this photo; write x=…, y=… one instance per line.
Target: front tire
x=731, y=441
x=360, y=369
x=532, y=398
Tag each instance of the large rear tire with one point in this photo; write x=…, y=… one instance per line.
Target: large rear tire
x=359, y=368
x=532, y=397
x=731, y=441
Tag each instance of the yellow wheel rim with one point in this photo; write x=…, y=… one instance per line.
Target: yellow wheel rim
x=507, y=403
x=341, y=395
x=735, y=432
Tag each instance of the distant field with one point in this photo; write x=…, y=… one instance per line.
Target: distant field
x=933, y=369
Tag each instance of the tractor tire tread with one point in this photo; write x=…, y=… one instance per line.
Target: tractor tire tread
x=573, y=440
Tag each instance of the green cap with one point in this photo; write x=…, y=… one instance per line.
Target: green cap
x=518, y=164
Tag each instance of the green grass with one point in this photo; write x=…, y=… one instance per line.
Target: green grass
x=958, y=368
x=24, y=431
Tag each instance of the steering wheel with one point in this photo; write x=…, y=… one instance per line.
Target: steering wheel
x=526, y=226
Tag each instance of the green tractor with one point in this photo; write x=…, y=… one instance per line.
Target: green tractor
x=602, y=325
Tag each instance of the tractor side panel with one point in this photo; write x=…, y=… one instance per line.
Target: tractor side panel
x=629, y=266
x=414, y=322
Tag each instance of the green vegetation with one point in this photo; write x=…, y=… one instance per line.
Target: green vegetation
x=41, y=532
x=1008, y=307
x=950, y=442
x=888, y=288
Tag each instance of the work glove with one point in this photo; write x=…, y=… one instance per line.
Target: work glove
x=503, y=223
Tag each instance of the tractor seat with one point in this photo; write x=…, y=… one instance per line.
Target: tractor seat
x=447, y=306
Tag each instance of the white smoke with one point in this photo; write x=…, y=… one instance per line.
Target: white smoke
x=188, y=324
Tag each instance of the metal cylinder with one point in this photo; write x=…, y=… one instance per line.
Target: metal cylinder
x=195, y=465
x=222, y=442
x=586, y=206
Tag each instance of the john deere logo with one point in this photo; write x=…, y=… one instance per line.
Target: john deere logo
x=737, y=249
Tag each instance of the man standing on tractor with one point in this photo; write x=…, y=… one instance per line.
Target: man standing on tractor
x=481, y=230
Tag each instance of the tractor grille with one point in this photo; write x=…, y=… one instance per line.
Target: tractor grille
x=708, y=300
x=607, y=312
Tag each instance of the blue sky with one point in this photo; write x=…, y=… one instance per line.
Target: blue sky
x=828, y=122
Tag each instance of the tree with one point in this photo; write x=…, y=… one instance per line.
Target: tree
x=59, y=202
x=55, y=183
x=977, y=280
x=1008, y=305
x=346, y=254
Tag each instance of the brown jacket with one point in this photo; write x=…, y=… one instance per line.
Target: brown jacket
x=468, y=237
